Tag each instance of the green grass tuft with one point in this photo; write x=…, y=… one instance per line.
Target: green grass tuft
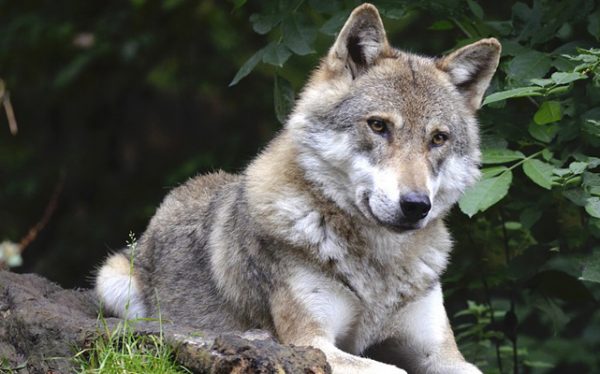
x=123, y=351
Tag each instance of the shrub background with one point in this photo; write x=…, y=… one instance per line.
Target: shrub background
x=118, y=101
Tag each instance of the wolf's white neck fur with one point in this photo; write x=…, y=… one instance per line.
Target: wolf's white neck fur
x=325, y=161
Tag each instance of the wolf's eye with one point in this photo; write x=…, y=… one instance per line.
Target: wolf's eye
x=438, y=139
x=377, y=125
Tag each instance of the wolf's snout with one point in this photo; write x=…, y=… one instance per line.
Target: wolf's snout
x=415, y=206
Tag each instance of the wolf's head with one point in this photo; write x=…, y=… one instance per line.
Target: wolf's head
x=389, y=135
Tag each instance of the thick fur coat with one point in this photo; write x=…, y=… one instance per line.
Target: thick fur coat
x=334, y=235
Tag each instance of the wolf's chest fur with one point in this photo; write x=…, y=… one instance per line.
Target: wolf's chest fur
x=354, y=274
x=386, y=272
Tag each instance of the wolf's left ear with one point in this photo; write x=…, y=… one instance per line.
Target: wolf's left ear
x=471, y=68
x=360, y=42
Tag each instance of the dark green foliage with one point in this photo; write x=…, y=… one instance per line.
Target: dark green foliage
x=131, y=97
x=128, y=99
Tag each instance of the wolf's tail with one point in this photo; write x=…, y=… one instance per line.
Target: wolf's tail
x=118, y=289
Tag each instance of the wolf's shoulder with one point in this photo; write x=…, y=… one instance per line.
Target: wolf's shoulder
x=203, y=186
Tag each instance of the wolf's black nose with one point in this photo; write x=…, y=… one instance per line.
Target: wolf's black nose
x=415, y=206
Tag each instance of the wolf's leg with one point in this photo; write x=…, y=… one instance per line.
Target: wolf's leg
x=312, y=312
x=117, y=288
x=423, y=341
x=345, y=363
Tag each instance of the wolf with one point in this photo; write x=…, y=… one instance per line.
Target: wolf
x=333, y=237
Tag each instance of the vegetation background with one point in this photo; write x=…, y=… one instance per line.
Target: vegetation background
x=107, y=105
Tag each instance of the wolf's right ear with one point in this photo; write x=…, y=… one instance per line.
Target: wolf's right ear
x=360, y=42
x=471, y=68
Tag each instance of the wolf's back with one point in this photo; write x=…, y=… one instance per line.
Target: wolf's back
x=171, y=261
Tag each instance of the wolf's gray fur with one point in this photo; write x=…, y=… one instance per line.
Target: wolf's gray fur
x=333, y=236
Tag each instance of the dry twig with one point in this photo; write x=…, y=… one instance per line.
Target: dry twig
x=50, y=208
x=8, y=108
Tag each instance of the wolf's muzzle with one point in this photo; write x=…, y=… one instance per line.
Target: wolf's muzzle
x=415, y=206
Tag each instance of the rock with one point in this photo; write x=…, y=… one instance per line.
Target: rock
x=242, y=355
x=42, y=326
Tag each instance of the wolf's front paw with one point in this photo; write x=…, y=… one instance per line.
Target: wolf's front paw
x=461, y=368
x=390, y=370
x=359, y=365
x=470, y=369
x=381, y=368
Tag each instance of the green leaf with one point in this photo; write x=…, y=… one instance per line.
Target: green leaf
x=138, y=3
x=592, y=114
x=529, y=216
x=543, y=133
x=592, y=206
x=542, y=82
x=553, y=312
x=594, y=227
x=492, y=171
x=283, y=94
x=538, y=364
x=515, y=92
x=591, y=127
x=565, y=31
x=502, y=28
x=591, y=268
x=326, y=7
x=171, y=4
x=578, y=167
x=475, y=8
x=263, y=23
x=276, y=54
x=558, y=90
x=539, y=172
x=512, y=48
x=577, y=196
x=547, y=154
x=529, y=65
x=593, y=162
x=163, y=75
x=594, y=24
x=237, y=4
x=393, y=12
x=73, y=69
x=248, y=66
x=585, y=56
x=564, y=78
x=500, y=156
x=441, y=25
x=561, y=172
x=485, y=193
x=548, y=112
x=334, y=24
x=561, y=63
x=591, y=180
x=298, y=38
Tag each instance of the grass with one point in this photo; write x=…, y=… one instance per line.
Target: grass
x=122, y=351
x=5, y=366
